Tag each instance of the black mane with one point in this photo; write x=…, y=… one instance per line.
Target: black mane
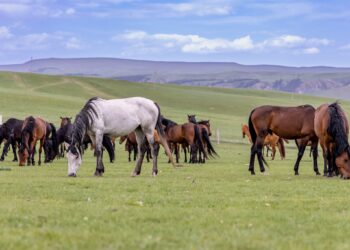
x=168, y=123
x=83, y=121
x=336, y=128
x=28, y=129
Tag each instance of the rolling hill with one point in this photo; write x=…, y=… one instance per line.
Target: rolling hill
x=229, y=75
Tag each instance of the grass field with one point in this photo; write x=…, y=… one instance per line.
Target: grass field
x=213, y=206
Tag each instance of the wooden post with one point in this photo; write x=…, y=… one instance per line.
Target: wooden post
x=217, y=136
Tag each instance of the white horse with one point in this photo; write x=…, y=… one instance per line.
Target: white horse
x=116, y=117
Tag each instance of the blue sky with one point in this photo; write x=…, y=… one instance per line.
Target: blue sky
x=297, y=33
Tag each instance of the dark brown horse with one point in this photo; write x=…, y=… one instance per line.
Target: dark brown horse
x=332, y=129
x=286, y=122
x=11, y=132
x=187, y=133
x=205, y=133
x=33, y=130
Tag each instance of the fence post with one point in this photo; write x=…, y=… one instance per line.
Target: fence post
x=217, y=136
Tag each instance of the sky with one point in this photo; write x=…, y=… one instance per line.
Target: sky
x=284, y=32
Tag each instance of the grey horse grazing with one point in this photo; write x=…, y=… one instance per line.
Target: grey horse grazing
x=116, y=117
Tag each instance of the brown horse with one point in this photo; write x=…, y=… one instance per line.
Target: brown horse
x=285, y=122
x=187, y=133
x=271, y=141
x=33, y=130
x=332, y=129
x=131, y=145
x=205, y=133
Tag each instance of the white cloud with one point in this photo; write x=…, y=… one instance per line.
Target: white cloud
x=196, y=44
x=73, y=43
x=201, y=8
x=5, y=33
x=345, y=47
x=311, y=51
x=13, y=8
x=70, y=11
x=189, y=43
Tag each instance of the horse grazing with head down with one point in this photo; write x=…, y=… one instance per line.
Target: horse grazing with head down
x=285, y=122
x=332, y=128
x=116, y=117
x=33, y=130
x=11, y=132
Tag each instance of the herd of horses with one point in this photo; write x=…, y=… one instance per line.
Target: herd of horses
x=139, y=123
x=306, y=125
x=193, y=137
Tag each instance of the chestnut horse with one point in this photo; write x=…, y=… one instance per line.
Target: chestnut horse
x=285, y=122
x=33, y=130
x=131, y=145
x=272, y=141
x=332, y=129
x=187, y=133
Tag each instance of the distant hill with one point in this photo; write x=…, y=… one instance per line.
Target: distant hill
x=318, y=80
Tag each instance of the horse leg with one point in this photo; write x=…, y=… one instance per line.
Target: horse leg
x=273, y=151
x=100, y=169
x=259, y=147
x=325, y=160
x=13, y=144
x=135, y=152
x=252, y=159
x=301, y=150
x=185, y=152
x=4, y=151
x=40, y=150
x=141, y=149
x=129, y=152
x=154, y=149
x=177, y=152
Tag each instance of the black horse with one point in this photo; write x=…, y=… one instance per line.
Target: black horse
x=11, y=132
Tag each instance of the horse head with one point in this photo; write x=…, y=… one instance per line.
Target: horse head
x=65, y=121
x=342, y=161
x=191, y=118
x=74, y=159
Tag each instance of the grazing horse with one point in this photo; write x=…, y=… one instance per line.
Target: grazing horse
x=63, y=133
x=285, y=122
x=33, y=130
x=332, y=129
x=271, y=141
x=116, y=117
x=187, y=133
x=11, y=132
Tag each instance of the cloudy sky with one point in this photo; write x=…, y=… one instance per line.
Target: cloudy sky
x=285, y=32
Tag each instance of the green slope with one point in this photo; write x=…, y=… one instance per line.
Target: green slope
x=217, y=205
x=54, y=96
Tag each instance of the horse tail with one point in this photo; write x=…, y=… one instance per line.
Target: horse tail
x=252, y=132
x=281, y=147
x=198, y=141
x=107, y=143
x=205, y=136
x=54, y=139
x=161, y=134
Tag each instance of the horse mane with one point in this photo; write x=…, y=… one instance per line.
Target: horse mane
x=336, y=128
x=84, y=120
x=168, y=123
x=29, y=127
x=203, y=122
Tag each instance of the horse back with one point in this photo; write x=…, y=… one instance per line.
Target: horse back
x=286, y=122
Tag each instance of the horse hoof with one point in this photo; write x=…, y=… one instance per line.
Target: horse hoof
x=134, y=174
x=15, y=160
x=98, y=173
x=154, y=174
x=2, y=159
x=296, y=173
x=252, y=172
x=72, y=175
x=318, y=173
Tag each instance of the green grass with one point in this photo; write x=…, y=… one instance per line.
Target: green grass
x=213, y=206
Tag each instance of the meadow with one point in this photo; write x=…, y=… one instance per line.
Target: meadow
x=218, y=205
